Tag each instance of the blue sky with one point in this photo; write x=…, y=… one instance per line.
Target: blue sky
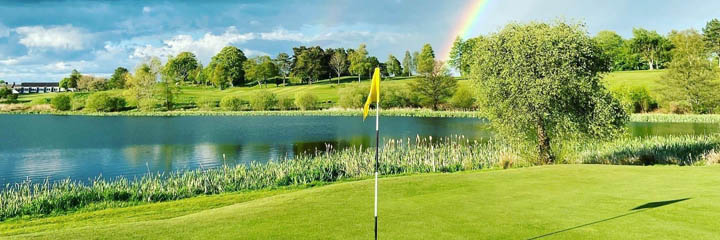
x=45, y=40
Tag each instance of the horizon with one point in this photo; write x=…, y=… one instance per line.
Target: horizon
x=97, y=37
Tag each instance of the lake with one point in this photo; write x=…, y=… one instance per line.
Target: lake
x=83, y=147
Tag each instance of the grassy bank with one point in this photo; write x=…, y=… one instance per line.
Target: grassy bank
x=555, y=202
x=402, y=156
x=402, y=112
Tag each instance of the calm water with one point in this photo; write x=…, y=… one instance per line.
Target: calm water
x=81, y=147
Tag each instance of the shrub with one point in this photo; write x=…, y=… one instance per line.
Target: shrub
x=286, y=103
x=263, y=100
x=78, y=102
x=103, y=102
x=305, y=101
x=463, y=99
x=61, y=102
x=352, y=97
x=148, y=104
x=395, y=97
x=232, y=103
x=12, y=98
x=206, y=103
x=635, y=100
x=680, y=107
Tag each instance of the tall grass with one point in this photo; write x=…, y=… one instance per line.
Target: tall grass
x=399, y=156
x=676, y=118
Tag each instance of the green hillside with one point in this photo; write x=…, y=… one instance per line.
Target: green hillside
x=554, y=202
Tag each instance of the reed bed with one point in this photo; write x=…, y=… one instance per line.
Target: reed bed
x=673, y=150
x=398, y=156
x=676, y=118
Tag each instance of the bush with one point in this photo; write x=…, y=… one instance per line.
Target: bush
x=680, y=107
x=78, y=102
x=148, y=104
x=352, y=97
x=103, y=102
x=463, y=99
x=232, y=103
x=286, y=103
x=206, y=103
x=12, y=98
x=61, y=102
x=305, y=101
x=635, y=100
x=263, y=100
x=396, y=97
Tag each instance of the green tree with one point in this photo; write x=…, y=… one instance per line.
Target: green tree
x=426, y=60
x=117, y=80
x=691, y=77
x=338, y=63
x=180, y=67
x=371, y=63
x=711, y=32
x=435, y=86
x=393, y=66
x=407, y=64
x=651, y=46
x=71, y=82
x=5, y=92
x=463, y=99
x=414, y=65
x=140, y=86
x=61, y=102
x=220, y=76
x=284, y=64
x=611, y=45
x=541, y=82
x=260, y=69
x=232, y=58
x=358, y=61
x=167, y=89
x=456, y=53
x=309, y=64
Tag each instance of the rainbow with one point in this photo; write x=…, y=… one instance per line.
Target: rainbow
x=467, y=22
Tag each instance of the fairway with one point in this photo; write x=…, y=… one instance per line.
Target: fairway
x=549, y=202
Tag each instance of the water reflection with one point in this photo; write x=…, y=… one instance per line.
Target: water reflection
x=85, y=147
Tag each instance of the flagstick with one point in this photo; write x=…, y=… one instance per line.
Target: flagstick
x=377, y=142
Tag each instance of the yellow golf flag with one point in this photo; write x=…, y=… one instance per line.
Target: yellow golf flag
x=374, y=93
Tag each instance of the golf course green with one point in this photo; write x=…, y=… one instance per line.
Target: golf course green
x=547, y=202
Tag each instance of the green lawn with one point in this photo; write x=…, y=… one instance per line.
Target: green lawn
x=643, y=78
x=327, y=90
x=553, y=202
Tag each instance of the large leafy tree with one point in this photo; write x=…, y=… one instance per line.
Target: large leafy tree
x=180, y=67
x=338, y=63
x=260, y=69
x=232, y=58
x=393, y=66
x=140, y=85
x=691, y=78
x=436, y=86
x=456, y=53
x=711, y=31
x=284, y=64
x=426, y=60
x=308, y=64
x=72, y=81
x=358, y=61
x=541, y=83
x=117, y=80
x=220, y=76
x=407, y=64
x=651, y=46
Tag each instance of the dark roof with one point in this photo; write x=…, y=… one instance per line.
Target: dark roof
x=39, y=84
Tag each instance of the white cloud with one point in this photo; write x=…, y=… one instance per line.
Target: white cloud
x=59, y=37
x=204, y=47
x=9, y=61
x=282, y=34
x=146, y=9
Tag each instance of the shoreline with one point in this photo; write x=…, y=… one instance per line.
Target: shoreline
x=640, y=117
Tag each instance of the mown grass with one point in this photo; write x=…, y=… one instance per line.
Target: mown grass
x=549, y=202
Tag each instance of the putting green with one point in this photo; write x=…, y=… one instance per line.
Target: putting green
x=550, y=202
